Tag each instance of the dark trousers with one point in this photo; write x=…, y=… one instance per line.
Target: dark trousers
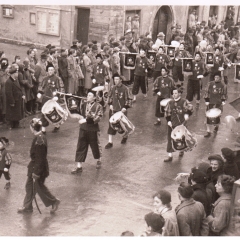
x=139, y=81
x=112, y=131
x=85, y=139
x=13, y=124
x=6, y=175
x=156, y=74
x=30, y=106
x=169, y=143
x=193, y=88
x=177, y=73
x=40, y=188
x=159, y=110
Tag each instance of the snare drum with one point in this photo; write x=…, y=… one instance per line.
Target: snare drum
x=121, y=123
x=213, y=116
x=163, y=104
x=115, y=122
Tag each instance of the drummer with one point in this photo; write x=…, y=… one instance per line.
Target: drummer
x=119, y=99
x=163, y=86
x=100, y=73
x=215, y=97
x=177, y=112
x=49, y=85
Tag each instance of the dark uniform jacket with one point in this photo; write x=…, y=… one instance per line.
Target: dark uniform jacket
x=5, y=159
x=216, y=92
x=119, y=97
x=141, y=66
x=162, y=60
x=100, y=73
x=198, y=69
x=38, y=154
x=175, y=111
x=163, y=85
x=93, y=116
x=49, y=85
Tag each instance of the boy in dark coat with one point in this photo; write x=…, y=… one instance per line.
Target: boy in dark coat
x=5, y=161
x=38, y=171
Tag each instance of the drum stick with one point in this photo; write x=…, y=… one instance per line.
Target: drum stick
x=128, y=53
x=67, y=94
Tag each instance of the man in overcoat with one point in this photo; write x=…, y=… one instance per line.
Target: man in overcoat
x=14, y=98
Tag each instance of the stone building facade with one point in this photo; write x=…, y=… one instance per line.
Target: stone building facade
x=60, y=24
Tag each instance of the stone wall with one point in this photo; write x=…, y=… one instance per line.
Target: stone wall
x=19, y=29
x=105, y=21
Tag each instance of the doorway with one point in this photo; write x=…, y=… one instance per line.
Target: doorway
x=162, y=23
x=83, y=25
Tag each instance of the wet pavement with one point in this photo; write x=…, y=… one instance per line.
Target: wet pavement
x=115, y=198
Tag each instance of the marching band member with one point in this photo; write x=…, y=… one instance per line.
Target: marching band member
x=218, y=61
x=177, y=112
x=38, y=171
x=194, y=80
x=89, y=132
x=140, y=74
x=162, y=86
x=5, y=161
x=50, y=84
x=215, y=97
x=100, y=74
x=177, y=64
x=119, y=99
x=162, y=60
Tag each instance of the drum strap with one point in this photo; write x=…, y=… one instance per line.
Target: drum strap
x=88, y=108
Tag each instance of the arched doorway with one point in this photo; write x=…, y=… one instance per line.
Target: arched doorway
x=162, y=23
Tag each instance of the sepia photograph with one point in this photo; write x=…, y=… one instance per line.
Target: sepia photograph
x=119, y=118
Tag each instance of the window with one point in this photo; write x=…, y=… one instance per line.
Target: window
x=7, y=11
x=32, y=18
x=193, y=13
x=132, y=20
x=48, y=21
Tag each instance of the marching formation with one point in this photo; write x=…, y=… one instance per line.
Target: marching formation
x=80, y=82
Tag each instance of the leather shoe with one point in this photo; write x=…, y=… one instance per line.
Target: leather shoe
x=157, y=123
x=55, y=130
x=109, y=145
x=24, y=210
x=7, y=186
x=124, y=140
x=208, y=134
x=169, y=159
x=181, y=154
x=215, y=129
x=55, y=206
x=99, y=163
x=238, y=119
x=76, y=170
